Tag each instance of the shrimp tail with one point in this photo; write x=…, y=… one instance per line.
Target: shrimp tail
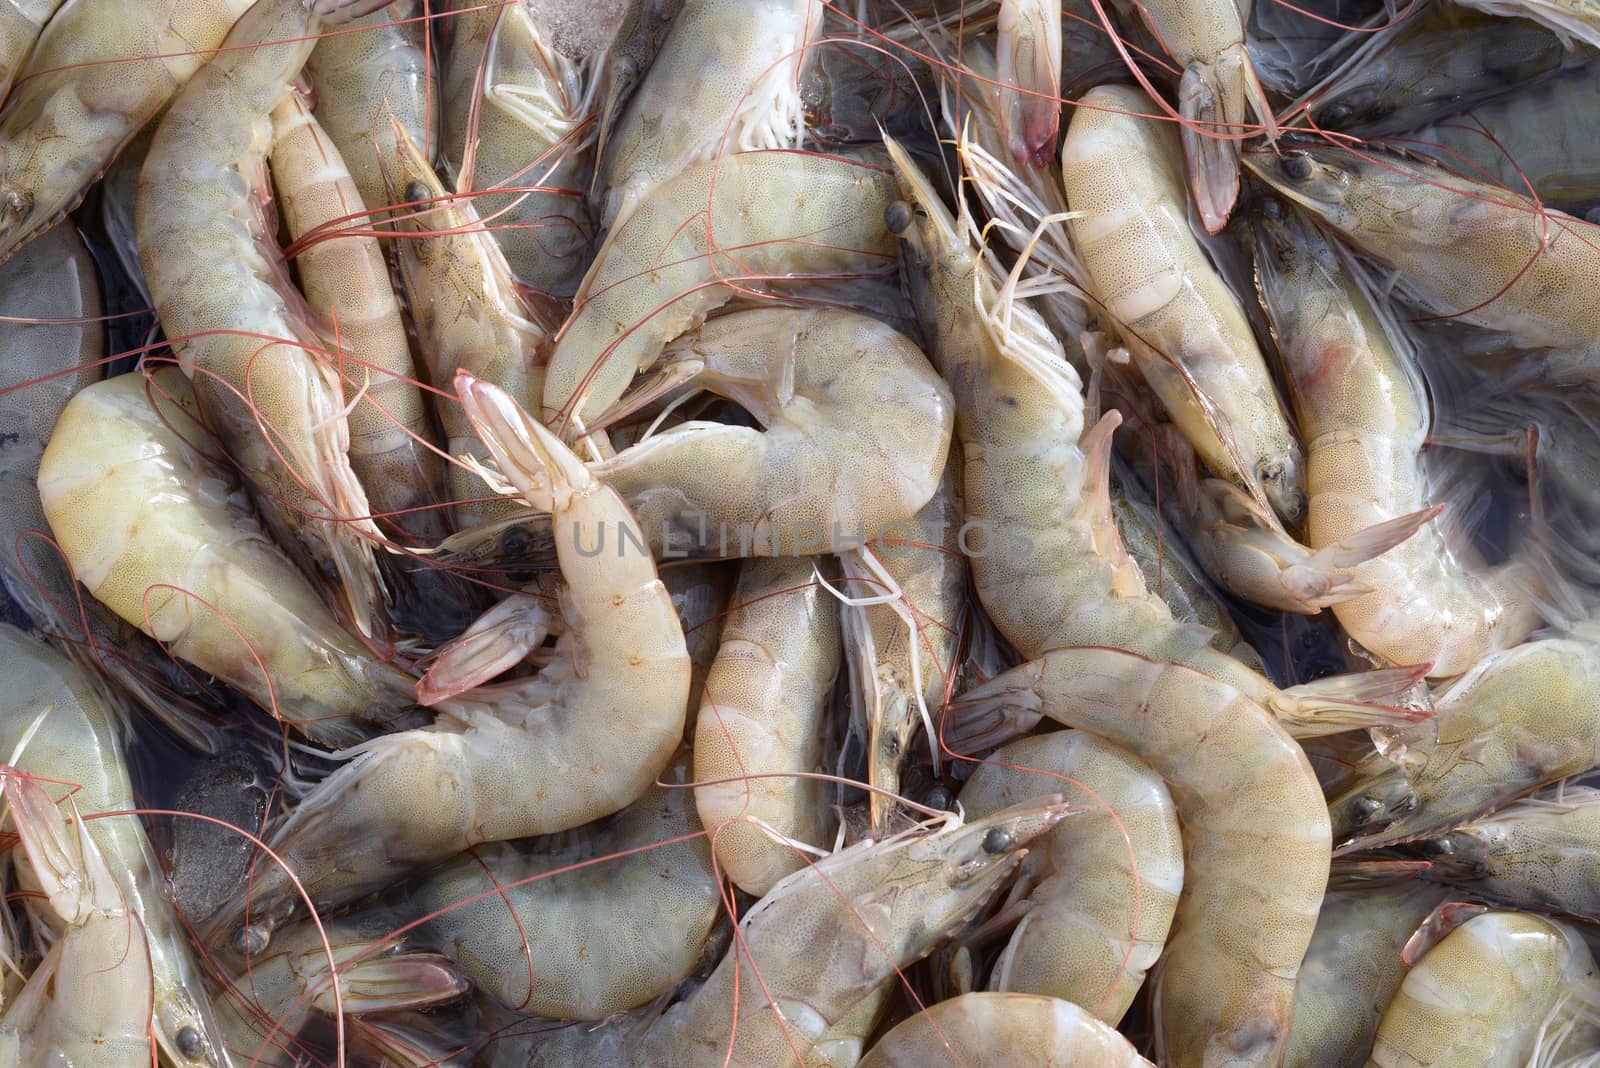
x=543, y=470
x=1319, y=581
x=993, y=714
x=1028, y=62
x=1345, y=702
x=1095, y=507
x=495, y=643
x=1211, y=99
x=413, y=980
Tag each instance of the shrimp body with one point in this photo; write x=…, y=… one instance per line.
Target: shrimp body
x=589, y=943
x=1364, y=414
x=21, y=22
x=1107, y=880
x=239, y=327
x=1255, y=835
x=731, y=221
x=763, y=716
x=161, y=535
x=1186, y=329
x=1003, y=1031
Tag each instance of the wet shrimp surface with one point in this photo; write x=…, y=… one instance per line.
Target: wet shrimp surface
x=784, y=532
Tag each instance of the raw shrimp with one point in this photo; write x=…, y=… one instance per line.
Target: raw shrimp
x=1518, y=720
x=1255, y=834
x=902, y=655
x=1364, y=412
x=821, y=941
x=1028, y=63
x=578, y=741
x=1102, y=887
x=1527, y=275
x=1352, y=970
x=368, y=80
x=1003, y=1031
x=759, y=736
x=240, y=329
x=1207, y=37
x=727, y=79
x=1185, y=327
x=728, y=222
x=71, y=735
x=21, y=22
x=629, y=923
x=855, y=431
x=468, y=316
x=1491, y=994
x=534, y=108
x=100, y=70
x=1539, y=853
x=1044, y=552
x=161, y=535
x=88, y=1001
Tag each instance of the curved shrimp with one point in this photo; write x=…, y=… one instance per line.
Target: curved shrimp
x=727, y=78
x=160, y=534
x=1184, y=326
x=1255, y=834
x=1003, y=1031
x=1491, y=994
x=759, y=735
x=628, y=925
x=678, y=256
x=76, y=739
x=240, y=328
x=578, y=741
x=1364, y=413
x=100, y=70
x=1106, y=883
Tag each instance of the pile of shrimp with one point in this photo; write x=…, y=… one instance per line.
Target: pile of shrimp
x=789, y=532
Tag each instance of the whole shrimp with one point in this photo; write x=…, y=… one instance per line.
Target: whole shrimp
x=759, y=735
x=727, y=79
x=821, y=941
x=1364, y=412
x=240, y=329
x=100, y=70
x=1003, y=1031
x=1255, y=834
x=1102, y=889
x=726, y=223
x=578, y=741
x=1184, y=326
x=159, y=532
x=630, y=920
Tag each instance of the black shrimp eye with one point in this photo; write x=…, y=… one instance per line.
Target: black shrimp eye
x=1272, y=209
x=939, y=797
x=515, y=542
x=998, y=841
x=1296, y=168
x=416, y=192
x=1336, y=114
x=897, y=217
x=190, y=1044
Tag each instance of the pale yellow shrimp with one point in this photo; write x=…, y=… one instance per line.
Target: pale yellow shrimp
x=468, y=315
x=578, y=741
x=160, y=534
x=1186, y=329
x=1527, y=275
x=821, y=941
x=241, y=330
x=1044, y=552
x=758, y=740
x=1364, y=413
x=902, y=655
x=535, y=116
x=57, y=723
x=100, y=70
x=1352, y=970
x=21, y=22
x=1102, y=888
x=1028, y=62
x=1255, y=835
x=738, y=219
x=88, y=1001
x=369, y=81
x=584, y=944
x=1491, y=994
x=1003, y=1031
x=1207, y=37
x=726, y=80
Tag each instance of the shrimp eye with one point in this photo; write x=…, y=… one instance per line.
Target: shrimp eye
x=190, y=1043
x=1296, y=168
x=940, y=797
x=1272, y=209
x=416, y=192
x=515, y=541
x=998, y=841
x=897, y=217
x=1337, y=114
